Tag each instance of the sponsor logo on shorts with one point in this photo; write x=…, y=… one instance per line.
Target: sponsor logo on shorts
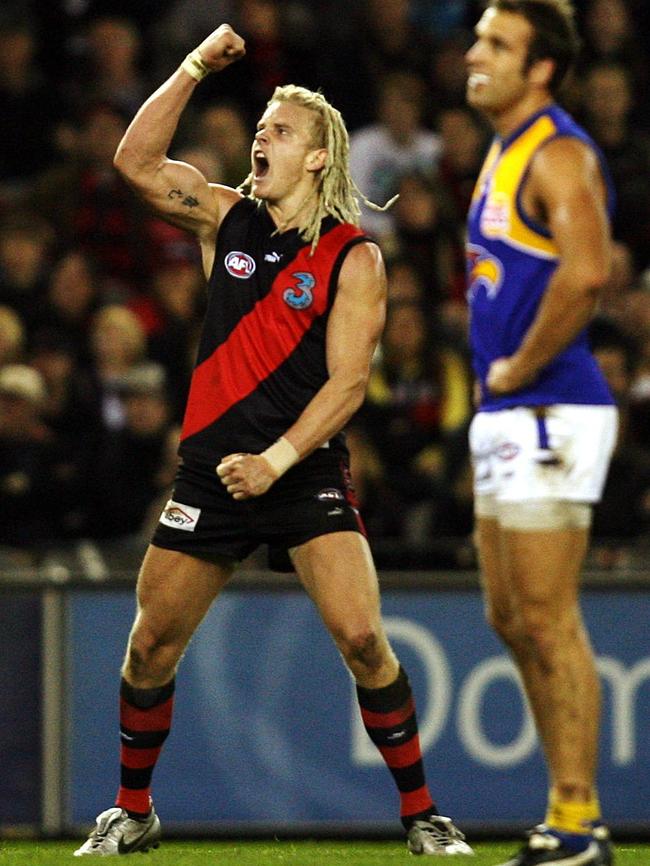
x=507, y=451
x=330, y=494
x=180, y=516
x=239, y=265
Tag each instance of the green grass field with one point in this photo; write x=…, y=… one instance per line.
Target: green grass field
x=284, y=853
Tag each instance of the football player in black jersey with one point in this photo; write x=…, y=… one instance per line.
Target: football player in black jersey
x=296, y=307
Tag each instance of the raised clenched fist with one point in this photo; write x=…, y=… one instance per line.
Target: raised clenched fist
x=221, y=48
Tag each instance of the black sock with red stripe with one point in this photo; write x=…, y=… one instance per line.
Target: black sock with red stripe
x=389, y=717
x=145, y=719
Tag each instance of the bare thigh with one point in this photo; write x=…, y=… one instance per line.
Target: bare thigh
x=174, y=592
x=529, y=573
x=338, y=573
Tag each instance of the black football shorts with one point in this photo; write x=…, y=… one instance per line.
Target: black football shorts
x=315, y=497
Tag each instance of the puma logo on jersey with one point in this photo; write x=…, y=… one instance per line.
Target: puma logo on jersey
x=239, y=265
x=272, y=257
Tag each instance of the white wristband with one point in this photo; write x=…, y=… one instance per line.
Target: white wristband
x=195, y=66
x=281, y=456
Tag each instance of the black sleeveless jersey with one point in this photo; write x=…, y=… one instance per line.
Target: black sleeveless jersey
x=261, y=357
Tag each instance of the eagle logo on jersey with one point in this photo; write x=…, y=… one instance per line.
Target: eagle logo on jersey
x=239, y=265
x=301, y=295
x=483, y=269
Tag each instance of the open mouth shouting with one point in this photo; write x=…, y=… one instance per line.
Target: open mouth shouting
x=260, y=164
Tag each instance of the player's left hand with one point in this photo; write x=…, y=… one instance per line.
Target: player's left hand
x=506, y=375
x=245, y=475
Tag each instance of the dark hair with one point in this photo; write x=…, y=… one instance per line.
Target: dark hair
x=555, y=35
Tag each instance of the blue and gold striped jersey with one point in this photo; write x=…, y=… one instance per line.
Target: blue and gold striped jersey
x=510, y=260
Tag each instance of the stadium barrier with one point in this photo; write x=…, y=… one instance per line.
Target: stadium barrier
x=266, y=735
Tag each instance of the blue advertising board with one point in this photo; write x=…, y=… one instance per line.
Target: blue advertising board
x=267, y=733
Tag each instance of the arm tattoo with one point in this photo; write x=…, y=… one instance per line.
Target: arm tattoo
x=188, y=200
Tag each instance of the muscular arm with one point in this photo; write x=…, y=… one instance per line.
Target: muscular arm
x=354, y=327
x=567, y=186
x=175, y=190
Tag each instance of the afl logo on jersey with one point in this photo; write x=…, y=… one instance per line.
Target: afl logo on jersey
x=301, y=295
x=239, y=265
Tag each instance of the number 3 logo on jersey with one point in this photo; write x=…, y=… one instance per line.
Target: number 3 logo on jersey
x=239, y=265
x=301, y=295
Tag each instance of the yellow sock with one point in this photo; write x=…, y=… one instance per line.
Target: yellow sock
x=572, y=816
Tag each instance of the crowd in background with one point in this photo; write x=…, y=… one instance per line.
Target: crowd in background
x=100, y=301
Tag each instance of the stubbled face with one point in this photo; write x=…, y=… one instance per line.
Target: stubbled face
x=283, y=151
x=497, y=79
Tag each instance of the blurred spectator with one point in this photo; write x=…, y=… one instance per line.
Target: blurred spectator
x=336, y=37
x=464, y=138
x=111, y=68
x=397, y=144
x=448, y=74
x=206, y=159
x=416, y=412
x=428, y=235
x=274, y=55
x=71, y=412
x=129, y=472
x=171, y=311
x=92, y=207
x=404, y=281
x=382, y=510
x=118, y=343
x=611, y=34
x=623, y=514
x=92, y=287
x=12, y=336
x=622, y=280
x=180, y=27
x=71, y=297
x=61, y=26
x=393, y=42
x=164, y=476
x=25, y=240
x=608, y=104
x=27, y=500
x=441, y=19
x=221, y=128
x=636, y=322
x=29, y=107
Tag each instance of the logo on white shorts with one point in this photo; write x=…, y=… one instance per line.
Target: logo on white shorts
x=180, y=516
x=507, y=451
x=330, y=494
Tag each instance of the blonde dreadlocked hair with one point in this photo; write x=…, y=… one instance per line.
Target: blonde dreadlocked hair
x=338, y=195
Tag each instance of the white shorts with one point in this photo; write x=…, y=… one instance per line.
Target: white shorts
x=559, y=453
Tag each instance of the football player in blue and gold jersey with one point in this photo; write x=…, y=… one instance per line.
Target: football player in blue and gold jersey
x=538, y=253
